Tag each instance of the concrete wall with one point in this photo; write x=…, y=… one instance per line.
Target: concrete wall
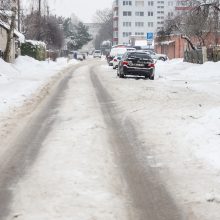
x=3, y=38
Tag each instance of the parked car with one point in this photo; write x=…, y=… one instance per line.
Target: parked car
x=114, y=53
x=137, y=64
x=131, y=49
x=80, y=57
x=116, y=60
x=157, y=56
x=97, y=53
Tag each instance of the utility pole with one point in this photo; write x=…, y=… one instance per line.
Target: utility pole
x=48, y=11
x=19, y=15
x=39, y=8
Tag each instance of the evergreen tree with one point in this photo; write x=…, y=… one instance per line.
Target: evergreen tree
x=77, y=34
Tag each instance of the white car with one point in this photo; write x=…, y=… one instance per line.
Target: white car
x=116, y=60
x=156, y=56
x=80, y=57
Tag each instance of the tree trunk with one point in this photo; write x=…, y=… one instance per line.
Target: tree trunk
x=10, y=36
x=189, y=41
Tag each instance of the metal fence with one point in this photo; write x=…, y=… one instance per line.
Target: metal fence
x=202, y=55
x=213, y=54
x=194, y=56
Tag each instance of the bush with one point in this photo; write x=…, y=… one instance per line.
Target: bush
x=34, y=49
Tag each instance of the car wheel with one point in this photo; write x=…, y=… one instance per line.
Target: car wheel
x=151, y=77
x=114, y=67
x=162, y=58
x=121, y=75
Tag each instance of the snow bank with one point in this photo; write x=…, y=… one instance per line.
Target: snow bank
x=204, y=79
x=176, y=69
x=20, y=80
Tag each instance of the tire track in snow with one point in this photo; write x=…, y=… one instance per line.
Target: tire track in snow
x=150, y=197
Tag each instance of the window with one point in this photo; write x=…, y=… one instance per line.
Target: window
x=170, y=3
x=150, y=13
x=126, y=24
x=115, y=24
x=139, y=3
x=127, y=3
x=150, y=3
x=126, y=34
x=182, y=3
x=139, y=33
x=170, y=14
x=150, y=24
x=160, y=2
x=115, y=34
x=160, y=6
x=160, y=12
x=139, y=24
x=126, y=13
x=139, y=13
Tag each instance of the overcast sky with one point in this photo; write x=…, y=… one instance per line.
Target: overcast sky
x=84, y=9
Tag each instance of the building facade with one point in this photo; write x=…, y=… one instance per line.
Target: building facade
x=139, y=17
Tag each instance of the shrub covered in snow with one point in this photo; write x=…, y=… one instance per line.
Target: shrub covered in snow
x=35, y=49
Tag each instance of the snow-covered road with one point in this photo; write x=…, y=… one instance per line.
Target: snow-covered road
x=177, y=117
x=63, y=165
x=87, y=141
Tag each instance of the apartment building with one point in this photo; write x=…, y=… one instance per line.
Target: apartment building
x=139, y=17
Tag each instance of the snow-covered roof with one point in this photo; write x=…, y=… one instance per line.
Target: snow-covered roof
x=20, y=36
x=165, y=42
x=36, y=43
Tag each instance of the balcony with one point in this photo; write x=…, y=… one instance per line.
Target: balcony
x=115, y=3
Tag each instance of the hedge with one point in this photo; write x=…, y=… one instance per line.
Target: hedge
x=37, y=51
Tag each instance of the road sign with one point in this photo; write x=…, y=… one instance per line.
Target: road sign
x=150, y=36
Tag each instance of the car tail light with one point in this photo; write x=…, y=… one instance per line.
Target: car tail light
x=124, y=62
x=115, y=60
x=151, y=65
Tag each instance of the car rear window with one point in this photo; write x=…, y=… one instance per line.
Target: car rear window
x=139, y=55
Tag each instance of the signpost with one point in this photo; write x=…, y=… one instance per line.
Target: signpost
x=150, y=38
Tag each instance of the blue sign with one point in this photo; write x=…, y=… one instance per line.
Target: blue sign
x=150, y=36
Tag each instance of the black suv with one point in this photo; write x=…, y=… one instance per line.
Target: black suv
x=136, y=63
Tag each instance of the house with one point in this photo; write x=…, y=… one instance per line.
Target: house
x=18, y=37
x=174, y=45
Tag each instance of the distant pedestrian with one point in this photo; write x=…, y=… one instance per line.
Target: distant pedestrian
x=75, y=55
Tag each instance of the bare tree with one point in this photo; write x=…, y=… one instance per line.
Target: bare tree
x=45, y=29
x=198, y=23
x=105, y=18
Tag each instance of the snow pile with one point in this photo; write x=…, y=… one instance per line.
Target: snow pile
x=176, y=69
x=20, y=80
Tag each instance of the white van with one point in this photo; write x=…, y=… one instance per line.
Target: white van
x=97, y=53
